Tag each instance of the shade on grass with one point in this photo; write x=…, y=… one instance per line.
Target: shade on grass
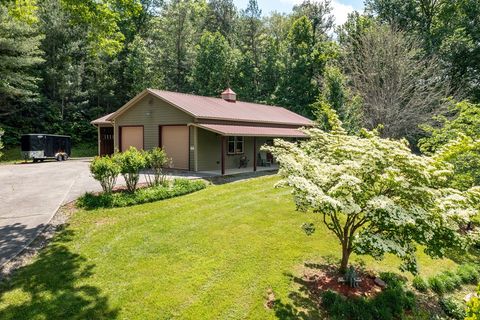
x=208, y=255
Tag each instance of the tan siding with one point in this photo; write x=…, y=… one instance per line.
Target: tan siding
x=191, y=148
x=208, y=150
x=151, y=112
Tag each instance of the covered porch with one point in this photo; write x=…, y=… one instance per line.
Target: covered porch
x=230, y=149
x=238, y=171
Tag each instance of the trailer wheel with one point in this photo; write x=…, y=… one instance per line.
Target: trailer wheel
x=35, y=160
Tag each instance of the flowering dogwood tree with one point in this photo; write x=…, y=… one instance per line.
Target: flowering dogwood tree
x=375, y=195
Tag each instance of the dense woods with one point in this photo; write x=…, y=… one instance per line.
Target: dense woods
x=66, y=62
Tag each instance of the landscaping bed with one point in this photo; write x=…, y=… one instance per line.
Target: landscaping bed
x=121, y=198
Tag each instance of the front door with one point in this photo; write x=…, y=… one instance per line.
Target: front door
x=106, y=141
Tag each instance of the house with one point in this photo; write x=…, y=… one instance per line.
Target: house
x=198, y=133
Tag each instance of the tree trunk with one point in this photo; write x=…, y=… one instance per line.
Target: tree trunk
x=345, y=257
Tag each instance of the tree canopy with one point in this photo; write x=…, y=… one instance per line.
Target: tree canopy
x=375, y=195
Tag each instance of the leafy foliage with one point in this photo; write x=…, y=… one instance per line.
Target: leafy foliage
x=452, y=308
x=420, y=284
x=375, y=195
x=105, y=170
x=473, y=307
x=130, y=163
x=457, y=141
x=214, y=64
x=389, y=304
x=177, y=188
x=156, y=159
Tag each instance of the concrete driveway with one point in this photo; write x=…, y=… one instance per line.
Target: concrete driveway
x=30, y=194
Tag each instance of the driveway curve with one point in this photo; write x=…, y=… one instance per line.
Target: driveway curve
x=30, y=194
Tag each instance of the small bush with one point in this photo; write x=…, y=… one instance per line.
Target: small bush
x=437, y=285
x=392, y=279
x=452, y=308
x=468, y=273
x=156, y=159
x=131, y=162
x=105, y=170
x=452, y=281
x=179, y=187
x=420, y=284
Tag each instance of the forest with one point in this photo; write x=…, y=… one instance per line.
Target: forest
x=401, y=66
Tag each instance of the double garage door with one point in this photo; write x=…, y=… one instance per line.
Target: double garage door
x=174, y=139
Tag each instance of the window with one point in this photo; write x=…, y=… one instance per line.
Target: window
x=235, y=145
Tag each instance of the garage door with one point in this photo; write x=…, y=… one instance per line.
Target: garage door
x=131, y=137
x=175, y=143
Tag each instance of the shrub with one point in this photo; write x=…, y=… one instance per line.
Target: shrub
x=452, y=281
x=468, y=273
x=105, y=170
x=392, y=279
x=473, y=307
x=178, y=187
x=452, y=308
x=420, y=284
x=389, y=304
x=156, y=159
x=437, y=285
x=131, y=162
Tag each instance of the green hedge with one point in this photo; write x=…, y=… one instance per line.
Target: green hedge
x=179, y=187
x=448, y=281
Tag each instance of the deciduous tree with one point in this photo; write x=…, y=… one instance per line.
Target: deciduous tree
x=375, y=195
x=399, y=89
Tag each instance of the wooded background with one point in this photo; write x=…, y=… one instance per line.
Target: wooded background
x=66, y=62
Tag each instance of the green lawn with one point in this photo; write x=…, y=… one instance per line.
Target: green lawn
x=208, y=255
x=79, y=150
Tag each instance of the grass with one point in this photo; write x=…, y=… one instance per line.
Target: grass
x=176, y=188
x=78, y=151
x=212, y=254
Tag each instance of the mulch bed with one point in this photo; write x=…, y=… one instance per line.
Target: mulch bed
x=325, y=277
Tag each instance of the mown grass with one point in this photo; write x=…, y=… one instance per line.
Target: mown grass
x=212, y=254
x=78, y=151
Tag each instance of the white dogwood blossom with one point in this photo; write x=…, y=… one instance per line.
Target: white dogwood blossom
x=376, y=195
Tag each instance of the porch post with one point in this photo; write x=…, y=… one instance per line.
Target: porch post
x=222, y=141
x=254, y=154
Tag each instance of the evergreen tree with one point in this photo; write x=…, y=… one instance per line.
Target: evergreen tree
x=222, y=17
x=214, y=65
x=320, y=15
x=179, y=28
x=19, y=56
x=298, y=87
x=248, y=78
x=139, y=68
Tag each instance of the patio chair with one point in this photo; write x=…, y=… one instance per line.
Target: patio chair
x=243, y=162
x=263, y=161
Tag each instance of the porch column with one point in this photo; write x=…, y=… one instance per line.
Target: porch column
x=222, y=141
x=254, y=154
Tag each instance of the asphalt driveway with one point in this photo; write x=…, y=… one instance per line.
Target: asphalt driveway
x=30, y=194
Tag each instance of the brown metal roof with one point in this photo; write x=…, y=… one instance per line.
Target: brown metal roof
x=236, y=130
x=202, y=107
x=102, y=120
